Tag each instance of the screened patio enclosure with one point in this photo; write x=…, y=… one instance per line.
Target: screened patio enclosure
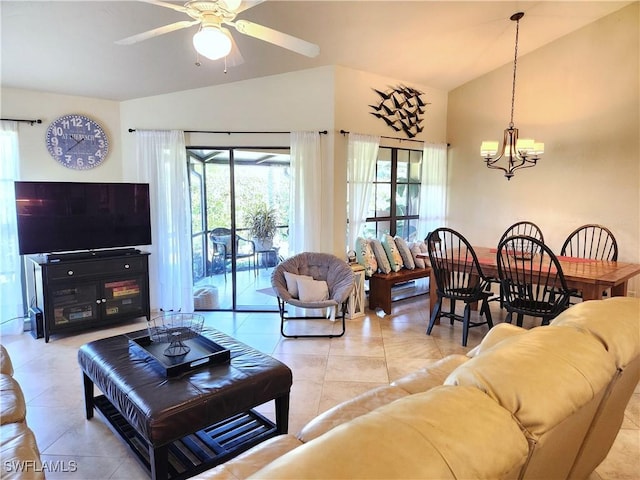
x=231, y=268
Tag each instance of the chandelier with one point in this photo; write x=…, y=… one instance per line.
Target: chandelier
x=518, y=152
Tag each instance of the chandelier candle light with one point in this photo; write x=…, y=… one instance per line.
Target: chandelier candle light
x=519, y=153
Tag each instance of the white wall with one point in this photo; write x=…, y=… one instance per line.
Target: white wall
x=353, y=95
x=36, y=163
x=580, y=96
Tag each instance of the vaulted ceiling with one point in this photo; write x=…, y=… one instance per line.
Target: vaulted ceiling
x=68, y=47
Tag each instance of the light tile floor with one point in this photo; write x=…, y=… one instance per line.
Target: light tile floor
x=374, y=351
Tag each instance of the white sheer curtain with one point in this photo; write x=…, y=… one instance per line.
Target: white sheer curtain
x=11, y=306
x=433, y=192
x=305, y=225
x=363, y=153
x=161, y=161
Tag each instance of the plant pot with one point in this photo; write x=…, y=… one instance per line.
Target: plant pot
x=263, y=244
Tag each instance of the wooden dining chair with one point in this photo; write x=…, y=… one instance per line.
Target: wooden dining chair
x=593, y=242
x=518, y=228
x=531, y=279
x=458, y=276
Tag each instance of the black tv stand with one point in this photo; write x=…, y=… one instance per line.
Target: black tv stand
x=76, y=293
x=86, y=255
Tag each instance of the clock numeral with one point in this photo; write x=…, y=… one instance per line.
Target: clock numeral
x=57, y=131
x=80, y=161
x=54, y=141
x=91, y=160
x=57, y=150
x=76, y=121
x=67, y=158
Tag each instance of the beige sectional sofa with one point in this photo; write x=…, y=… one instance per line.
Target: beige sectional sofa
x=18, y=447
x=540, y=403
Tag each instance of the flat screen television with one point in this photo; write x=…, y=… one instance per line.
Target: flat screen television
x=72, y=216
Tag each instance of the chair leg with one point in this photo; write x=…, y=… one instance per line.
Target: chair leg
x=519, y=319
x=508, y=318
x=465, y=323
x=434, y=315
x=487, y=313
x=452, y=310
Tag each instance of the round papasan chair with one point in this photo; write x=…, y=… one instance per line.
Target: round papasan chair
x=313, y=280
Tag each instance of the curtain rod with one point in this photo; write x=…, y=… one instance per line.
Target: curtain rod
x=31, y=122
x=345, y=132
x=322, y=132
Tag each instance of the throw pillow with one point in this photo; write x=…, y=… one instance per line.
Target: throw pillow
x=313, y=290
x=405, y=253
x=395, y=260
x=292, y=283
x=381, y=255
x=415, y=251
x=366, y=257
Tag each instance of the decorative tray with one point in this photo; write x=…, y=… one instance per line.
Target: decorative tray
x=203, y=352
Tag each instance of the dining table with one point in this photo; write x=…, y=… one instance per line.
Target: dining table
x=589, y=276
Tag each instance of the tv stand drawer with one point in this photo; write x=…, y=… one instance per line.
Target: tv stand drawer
x=107, y=266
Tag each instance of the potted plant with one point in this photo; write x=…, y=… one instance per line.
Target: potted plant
x=261, y=221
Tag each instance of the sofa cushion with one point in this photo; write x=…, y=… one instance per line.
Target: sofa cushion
x=430, y=376
x=5, y=361
x=495, y=336
x=11, y=400
x=249, y=462
x=604, y=320
x=426, y=435
x=19, y=453
x=349, y=410
x=569, y=356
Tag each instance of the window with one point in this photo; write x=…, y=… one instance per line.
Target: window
x=394, y=207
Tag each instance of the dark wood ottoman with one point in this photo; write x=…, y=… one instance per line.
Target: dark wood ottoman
x=180, y=426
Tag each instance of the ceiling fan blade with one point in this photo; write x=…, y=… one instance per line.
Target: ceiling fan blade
x=247, y=4
x=277, y=38
x=178, y=8
x=172, y=27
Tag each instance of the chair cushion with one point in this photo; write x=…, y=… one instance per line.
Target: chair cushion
x=366, y=257
x=405, y=253
x=292, y=283
x=311, y=290
x=390, y=248
x=381, y=256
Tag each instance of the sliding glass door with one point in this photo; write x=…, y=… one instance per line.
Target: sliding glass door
x=238, y=195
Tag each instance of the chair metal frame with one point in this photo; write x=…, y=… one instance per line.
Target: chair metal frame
x=458, y=276
x=221, y=247
x=531, y=278
x=326, y=265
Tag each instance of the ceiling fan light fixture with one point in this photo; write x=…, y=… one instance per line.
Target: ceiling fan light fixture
x=232, y=5
x=211, y=42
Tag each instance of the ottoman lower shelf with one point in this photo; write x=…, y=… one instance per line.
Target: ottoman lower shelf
x=199, y=451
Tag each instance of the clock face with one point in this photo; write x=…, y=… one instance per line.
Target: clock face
x=77, y=142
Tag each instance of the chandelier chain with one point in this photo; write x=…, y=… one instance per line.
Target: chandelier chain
x=515, y=66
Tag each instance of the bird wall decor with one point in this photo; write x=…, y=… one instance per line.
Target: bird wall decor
x=401, y=108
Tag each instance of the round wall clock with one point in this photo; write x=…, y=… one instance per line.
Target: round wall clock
x=77, y=142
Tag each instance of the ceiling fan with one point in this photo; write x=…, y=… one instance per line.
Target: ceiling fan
x=213, y=40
